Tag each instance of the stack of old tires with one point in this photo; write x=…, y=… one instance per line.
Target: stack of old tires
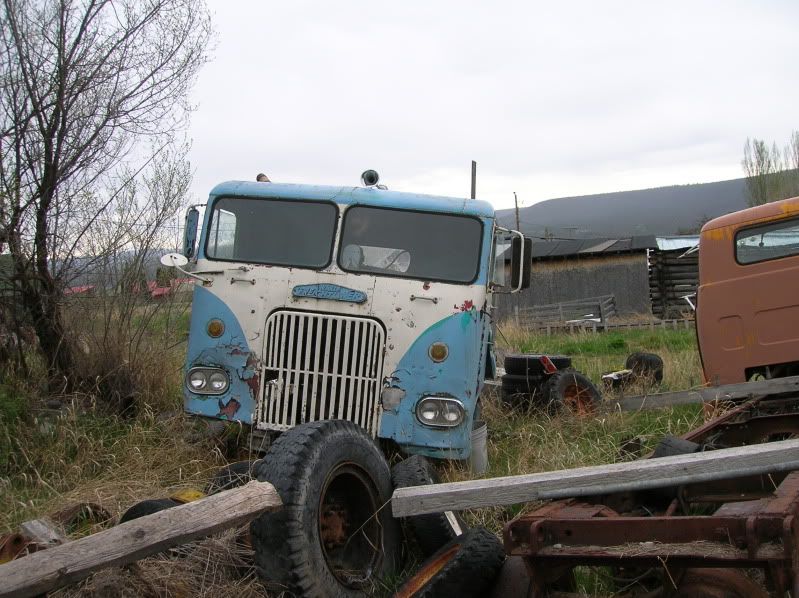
x=525, y=374
x=548, y=382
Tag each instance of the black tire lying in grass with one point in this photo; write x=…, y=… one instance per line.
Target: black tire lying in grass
x=466, y=568
x=569, y=390
x=670, y=446
x=645, y=365
x=334, y=536
x=436, y=529
x=230, y=476
x=147, y=507
x=526, y=364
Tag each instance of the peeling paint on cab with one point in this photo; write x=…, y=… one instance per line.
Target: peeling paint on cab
x=230, y=351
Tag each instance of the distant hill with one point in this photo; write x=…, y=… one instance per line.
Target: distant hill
x=659, y=211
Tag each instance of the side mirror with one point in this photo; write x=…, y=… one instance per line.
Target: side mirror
x=527, y=265
x=190, y=232
x=521, y=262
x=174, y=260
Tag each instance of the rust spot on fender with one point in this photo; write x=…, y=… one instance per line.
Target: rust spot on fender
x=228, y=410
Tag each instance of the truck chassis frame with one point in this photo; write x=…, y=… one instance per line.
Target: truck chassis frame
x=654, y=538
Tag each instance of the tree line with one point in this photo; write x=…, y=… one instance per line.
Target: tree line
x=772, y=173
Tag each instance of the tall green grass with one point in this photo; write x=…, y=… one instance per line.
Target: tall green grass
x=596, y=353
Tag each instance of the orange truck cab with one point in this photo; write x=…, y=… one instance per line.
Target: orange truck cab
x=748, y=300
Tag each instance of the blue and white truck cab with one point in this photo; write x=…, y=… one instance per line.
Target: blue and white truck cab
x=363, y=304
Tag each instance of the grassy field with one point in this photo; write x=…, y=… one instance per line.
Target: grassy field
x=50, y=459
x=534, y=441
x=597, y=353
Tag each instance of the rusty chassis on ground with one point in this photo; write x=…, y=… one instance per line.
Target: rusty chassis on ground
x=735, y=538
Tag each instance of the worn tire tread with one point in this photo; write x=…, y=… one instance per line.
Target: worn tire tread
x=281, y=534
x=470, y=573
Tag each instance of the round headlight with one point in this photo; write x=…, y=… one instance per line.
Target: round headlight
x=452, y=414
x=440, y=412
x=438, y=352
x=197, y=380
x=215, y=328
x=218, y=382
x=429, y=412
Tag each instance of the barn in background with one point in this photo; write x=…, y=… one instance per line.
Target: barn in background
x=568, y=270
x=645, y=275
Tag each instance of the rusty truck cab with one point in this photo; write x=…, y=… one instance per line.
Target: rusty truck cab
x=748, y=300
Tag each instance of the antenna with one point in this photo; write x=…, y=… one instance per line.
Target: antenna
x=474, y=179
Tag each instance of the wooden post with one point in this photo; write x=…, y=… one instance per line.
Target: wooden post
x=727, y=392
x=68, y=563
x=643, y=474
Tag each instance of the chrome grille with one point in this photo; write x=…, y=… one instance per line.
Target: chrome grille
x=321, y=366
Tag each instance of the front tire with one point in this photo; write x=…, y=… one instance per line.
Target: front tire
x=334, y=537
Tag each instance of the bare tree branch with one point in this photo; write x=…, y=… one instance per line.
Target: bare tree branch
x=83, y=85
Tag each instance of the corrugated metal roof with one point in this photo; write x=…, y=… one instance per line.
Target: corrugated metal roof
x=567, y=247
x=677, y=242
x=600, y=247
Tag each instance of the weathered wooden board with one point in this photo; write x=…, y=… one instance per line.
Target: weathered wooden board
x=727, y=392
x=53, y=568
x=588, y=481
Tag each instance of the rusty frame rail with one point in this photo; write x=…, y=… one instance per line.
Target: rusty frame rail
x=749, y=523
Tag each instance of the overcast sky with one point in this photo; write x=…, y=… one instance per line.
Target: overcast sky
x=551, y=99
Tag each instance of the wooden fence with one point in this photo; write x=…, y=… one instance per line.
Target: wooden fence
x=597, y=309
x=595, y=327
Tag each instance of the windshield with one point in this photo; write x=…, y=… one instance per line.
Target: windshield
x=410, y=244
x=270, y=231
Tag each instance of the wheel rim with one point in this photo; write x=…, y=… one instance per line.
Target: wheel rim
x=579, y=399
x=349, y=530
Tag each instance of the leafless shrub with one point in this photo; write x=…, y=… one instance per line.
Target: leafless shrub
x=129, y=330
x=84, y=84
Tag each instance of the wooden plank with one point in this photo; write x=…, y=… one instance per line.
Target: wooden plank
x=53, y=568
x=603, y=479
x=727, y=392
